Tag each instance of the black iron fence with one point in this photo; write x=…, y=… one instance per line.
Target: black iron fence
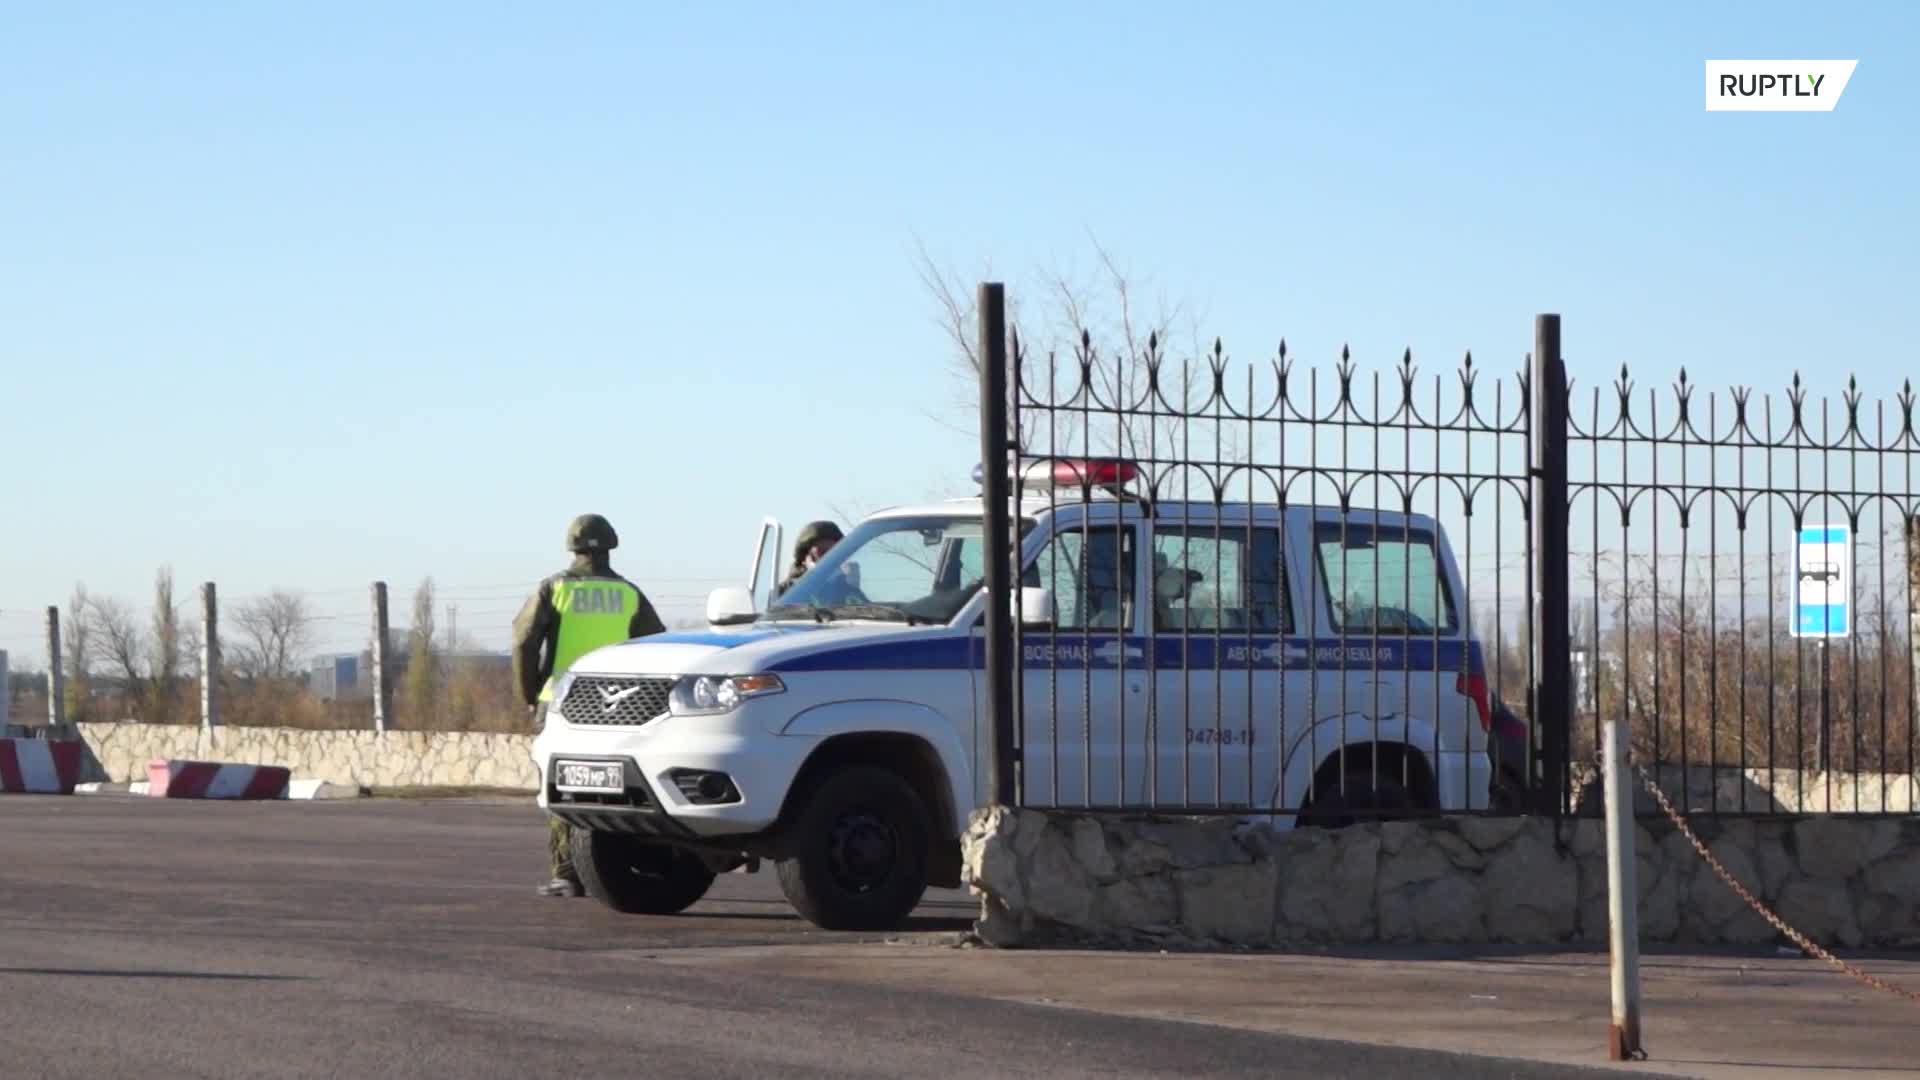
x=1273, y=588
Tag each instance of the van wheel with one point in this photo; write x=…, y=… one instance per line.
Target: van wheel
x=1362, y=797
x=858, y=852
x=637, y=876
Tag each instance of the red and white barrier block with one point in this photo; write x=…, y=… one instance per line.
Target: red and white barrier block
x=215, y=780
x=40, y=766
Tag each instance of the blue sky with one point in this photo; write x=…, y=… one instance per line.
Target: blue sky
x=312, y=296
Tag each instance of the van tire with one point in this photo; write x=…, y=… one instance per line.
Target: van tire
x=857, y=851
x=1363, y=797
x=636, y=876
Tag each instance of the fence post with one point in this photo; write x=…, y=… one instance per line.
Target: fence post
x=1913, y=615
x=56, y=678
x=995, y=482
x=209, y=658
x=382, y=690
x=1552, y=700
x=1623, y=897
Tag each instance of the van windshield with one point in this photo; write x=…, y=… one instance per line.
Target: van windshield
x=917, y=570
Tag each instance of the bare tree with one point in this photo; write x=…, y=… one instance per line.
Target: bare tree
x=78, y=649
x=422, y=689
x=169, y=646
x=275, y=632
x=1104, y=326
x=123, y=644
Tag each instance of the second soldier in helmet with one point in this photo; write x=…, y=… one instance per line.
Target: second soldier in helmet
x=812, y=545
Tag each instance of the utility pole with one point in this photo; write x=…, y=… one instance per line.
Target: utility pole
x=56, y=679
x=382, y=690
x=209, y=658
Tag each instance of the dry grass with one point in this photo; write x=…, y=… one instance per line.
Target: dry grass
x=471, y=700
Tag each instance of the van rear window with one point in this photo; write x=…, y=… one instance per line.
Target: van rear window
x=1383, y=579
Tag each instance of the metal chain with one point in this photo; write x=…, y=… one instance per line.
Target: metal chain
x=1805, y=943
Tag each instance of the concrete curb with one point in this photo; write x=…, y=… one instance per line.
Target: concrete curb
x=175, y=779
x=40, y=766
x=101, y=788
x=321, y=789
x=297, y=789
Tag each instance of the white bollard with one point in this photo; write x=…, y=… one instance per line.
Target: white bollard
x=1623, y=899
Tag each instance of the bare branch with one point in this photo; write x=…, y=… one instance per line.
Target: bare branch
x=122, y=643
x=275, y=632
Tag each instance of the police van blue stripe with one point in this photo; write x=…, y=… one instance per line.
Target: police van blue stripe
x=1112, y=652
x=720, y=639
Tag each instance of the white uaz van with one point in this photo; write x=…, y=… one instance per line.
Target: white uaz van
x=1303, y=665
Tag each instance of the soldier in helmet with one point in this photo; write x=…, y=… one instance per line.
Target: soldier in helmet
x=572, y=613
x=809, y=547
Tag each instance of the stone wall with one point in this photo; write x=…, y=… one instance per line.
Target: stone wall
x=120, y=753
x=1061, y=878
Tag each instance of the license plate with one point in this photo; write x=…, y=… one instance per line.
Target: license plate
x=590, y=776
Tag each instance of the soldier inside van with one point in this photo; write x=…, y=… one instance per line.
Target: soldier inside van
x=812, y=545
x=1174, y=585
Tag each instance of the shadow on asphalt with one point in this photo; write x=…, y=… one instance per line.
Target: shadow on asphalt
x=106, y=973
x=1658, y=956
x=1765, y=1067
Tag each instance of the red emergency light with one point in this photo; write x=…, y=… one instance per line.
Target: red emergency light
x=1110, y=474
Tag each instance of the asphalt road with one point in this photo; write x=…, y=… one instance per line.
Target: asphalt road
x=403, y=939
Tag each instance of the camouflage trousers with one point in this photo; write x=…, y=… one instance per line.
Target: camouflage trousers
x=559, y=853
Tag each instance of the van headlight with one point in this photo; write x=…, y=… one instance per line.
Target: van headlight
x=710, y=695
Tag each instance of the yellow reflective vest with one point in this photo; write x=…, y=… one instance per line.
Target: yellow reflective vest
x=592, y=612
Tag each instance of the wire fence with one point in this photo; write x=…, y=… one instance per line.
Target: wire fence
x=286, y=658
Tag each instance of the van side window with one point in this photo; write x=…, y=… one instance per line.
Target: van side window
x=1219, y=578
x=1383, y=579
x=1091, y=574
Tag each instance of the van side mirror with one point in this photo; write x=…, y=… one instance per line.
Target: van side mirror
x=1036, y=607
x=730, y=606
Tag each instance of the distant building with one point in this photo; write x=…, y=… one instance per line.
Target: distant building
x=336, y=678
x=349, y=676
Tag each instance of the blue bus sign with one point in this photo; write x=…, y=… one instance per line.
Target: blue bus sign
x=1821, y=592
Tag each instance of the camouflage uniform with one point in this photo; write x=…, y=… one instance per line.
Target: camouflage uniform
x=536, y=638
x=818, y=532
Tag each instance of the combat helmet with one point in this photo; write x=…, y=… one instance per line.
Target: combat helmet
x=816, y=532
x=589, y=533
